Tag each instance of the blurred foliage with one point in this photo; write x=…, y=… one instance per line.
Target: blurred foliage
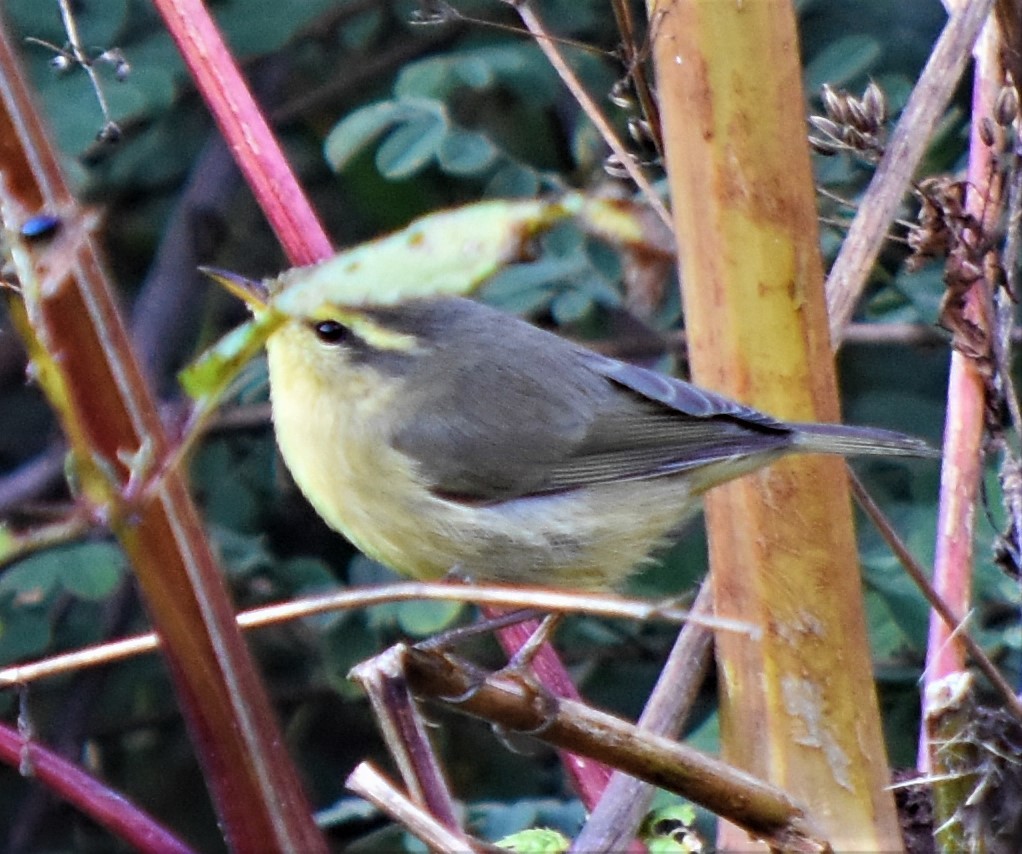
x=386, y=119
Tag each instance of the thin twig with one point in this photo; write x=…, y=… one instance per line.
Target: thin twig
x=603, y=605
x=404, y=733
x=633, y=60
x=919, y=576
x=614, y=822
x=110, y=129
x=368, y=783
x=571, y=81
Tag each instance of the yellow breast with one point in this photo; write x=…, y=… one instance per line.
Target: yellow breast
x=335, y=442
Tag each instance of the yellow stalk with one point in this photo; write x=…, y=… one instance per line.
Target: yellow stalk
x=798, y=707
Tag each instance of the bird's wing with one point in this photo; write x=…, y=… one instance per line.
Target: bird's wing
x=657, y=425
x=549, y=416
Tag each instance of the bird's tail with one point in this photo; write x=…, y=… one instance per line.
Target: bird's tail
x=842, y=439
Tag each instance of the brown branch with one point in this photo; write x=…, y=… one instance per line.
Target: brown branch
x=614, y=822
x=369, y=784
x=764, y=811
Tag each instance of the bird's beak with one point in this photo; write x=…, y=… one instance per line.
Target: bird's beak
x=254, y=294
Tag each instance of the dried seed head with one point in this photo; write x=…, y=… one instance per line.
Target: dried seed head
x=826, y=126
x=115, y=57
x=640, y=130
x=1006, y=106
x=874, y=102
x=858, y=118
x=854, y=138
x=825, y=147
x=613, y=166
x=110, y=133
x=969, y=271
x=61, y=62
x=431, y=13
x=953, y=196
x=834, y=104
x=621, y=94
x=986, y=132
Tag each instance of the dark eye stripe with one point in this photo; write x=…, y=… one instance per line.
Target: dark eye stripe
x=331, y=332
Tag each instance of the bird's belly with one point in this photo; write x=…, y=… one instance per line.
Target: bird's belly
x=589, y=538
x=585, y=538
x=593, y=537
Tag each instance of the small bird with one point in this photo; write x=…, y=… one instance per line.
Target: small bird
x=439, y=433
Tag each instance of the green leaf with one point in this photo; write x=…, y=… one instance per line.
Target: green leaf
x=344, y=645
x=359, y=129
x=89, y=570
x=33, y=578
x=478, y=69
x=842, y=62
x=536, y=841
x=94, y=571
x=240, y=553
x=513, y=181
x=308, y=573
x=9, y=542
x=423, y=619
x=412, y=146
x=207, y=378
x=263, y=26
x=428, y=78
x=422, y=124
x=907, y=607
x=466, y=153
x=430, y=256
x=571, y=306
x=24, y=633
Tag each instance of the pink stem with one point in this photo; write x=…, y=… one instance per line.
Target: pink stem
x=103, y=805
x=242, y=124
x=963, y=460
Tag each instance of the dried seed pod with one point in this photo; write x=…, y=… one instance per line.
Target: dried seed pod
x=115, y=57
x=61, y=62
x=874, y=102
x=834, y=104
x=1006, y=105
x=953, y=196
x=858, y=118
x=613, y=166
x=986, y=131
x=825, y=147
x=969, y=271
x=109, y=133
x=854, y=138
x=826, y=126
x=622, y=95
x=640, y=130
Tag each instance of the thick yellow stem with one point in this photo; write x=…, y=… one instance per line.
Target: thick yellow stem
x=797, y=707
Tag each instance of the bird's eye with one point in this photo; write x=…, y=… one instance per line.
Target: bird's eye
x=331, y=332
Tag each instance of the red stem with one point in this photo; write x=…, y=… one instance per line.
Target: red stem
x=103, y=805
x=962, y=467
x=589, y=778
x=247, y=134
